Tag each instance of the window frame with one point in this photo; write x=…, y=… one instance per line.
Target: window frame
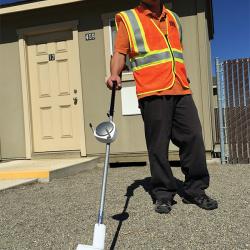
x=107, y=33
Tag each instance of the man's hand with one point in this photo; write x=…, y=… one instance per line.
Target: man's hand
x=113, y=78
x=116, y=66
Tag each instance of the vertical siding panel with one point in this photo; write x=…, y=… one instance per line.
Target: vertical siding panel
x=233, y=156
x=247, y=93
x=240, y=110
x=236, y=113
x=227, y=109
x=230, y=105
x=243, y=112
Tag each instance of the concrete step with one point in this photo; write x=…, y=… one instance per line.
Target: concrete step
x=45, y=169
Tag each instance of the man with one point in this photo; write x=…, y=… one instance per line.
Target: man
x=151, y=35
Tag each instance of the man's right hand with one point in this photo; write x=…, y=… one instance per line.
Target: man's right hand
x=116, y=66
x=114, y=78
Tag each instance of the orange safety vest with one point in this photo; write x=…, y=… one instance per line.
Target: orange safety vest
x=156, y=58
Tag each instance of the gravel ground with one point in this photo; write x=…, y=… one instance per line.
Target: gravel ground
x=62, y=213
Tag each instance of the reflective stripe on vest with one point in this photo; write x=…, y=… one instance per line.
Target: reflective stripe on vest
x=156, y=57
x=138, y=35
x=150, y=58
x=178, y=55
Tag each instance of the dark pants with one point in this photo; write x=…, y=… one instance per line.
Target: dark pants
x=176, y=118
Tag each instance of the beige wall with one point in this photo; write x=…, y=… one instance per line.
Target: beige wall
x=95, y=94
x=96, y=98
x=11, y=112
x=198, y=60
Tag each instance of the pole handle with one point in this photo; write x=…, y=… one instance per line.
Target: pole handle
x=112, y=103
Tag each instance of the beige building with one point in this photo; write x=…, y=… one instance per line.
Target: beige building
x=54, y=58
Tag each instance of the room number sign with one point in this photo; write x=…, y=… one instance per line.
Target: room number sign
x=90, y=36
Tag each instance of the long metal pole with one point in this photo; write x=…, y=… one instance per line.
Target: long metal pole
x=104, y=181
x=220, y=106
x=106, y=163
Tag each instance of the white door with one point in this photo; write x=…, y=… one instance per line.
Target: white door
x=54, y=92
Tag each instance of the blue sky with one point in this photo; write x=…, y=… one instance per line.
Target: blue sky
x=10, y=1
x=232, y=29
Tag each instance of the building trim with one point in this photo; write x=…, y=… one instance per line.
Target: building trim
x=35, y=5
x=23, y=33
x=210, y=18
x=40, y=29
x=25, y=91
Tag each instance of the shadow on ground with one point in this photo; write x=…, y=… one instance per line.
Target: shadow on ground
x=124, y=215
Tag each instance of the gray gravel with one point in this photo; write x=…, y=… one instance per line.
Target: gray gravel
x=62, y=213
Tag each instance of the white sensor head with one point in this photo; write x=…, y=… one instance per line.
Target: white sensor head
x=106, y=132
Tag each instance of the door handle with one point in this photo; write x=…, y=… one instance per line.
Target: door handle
x=75, y=100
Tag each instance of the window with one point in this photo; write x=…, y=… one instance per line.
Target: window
x=214, y=90
x=109, y=40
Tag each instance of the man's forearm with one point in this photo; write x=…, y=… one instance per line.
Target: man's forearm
x=117, y=63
